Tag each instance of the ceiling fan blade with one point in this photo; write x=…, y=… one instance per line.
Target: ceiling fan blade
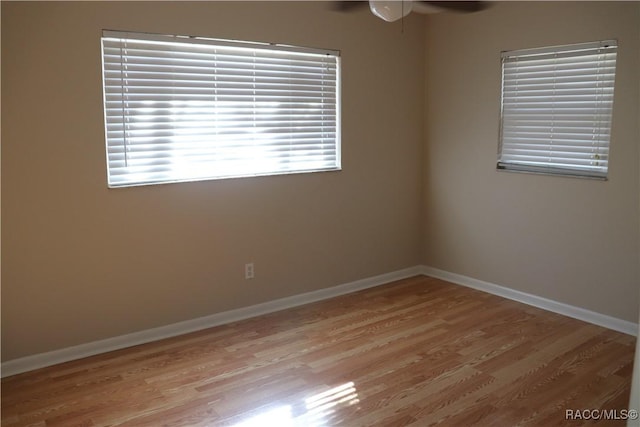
x=349, y=6
x=458, y=6
x=418, y=6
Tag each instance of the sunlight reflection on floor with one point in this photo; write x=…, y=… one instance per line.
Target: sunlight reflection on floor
x=316, y=411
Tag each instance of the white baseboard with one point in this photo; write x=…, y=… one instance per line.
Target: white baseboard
x=608, y=322
x=55, y=357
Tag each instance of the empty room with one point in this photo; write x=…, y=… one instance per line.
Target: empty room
x=308, y=213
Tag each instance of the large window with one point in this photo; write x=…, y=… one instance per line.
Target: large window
x=188, y=108
x=556, y=109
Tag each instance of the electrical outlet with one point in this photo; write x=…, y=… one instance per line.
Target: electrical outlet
x=248, y=271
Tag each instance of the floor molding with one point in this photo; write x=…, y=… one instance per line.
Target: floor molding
x=29, y=363
x=599, y=319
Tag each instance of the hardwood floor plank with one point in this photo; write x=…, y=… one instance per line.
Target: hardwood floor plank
x=417, y=352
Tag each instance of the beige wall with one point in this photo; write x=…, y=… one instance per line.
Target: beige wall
x=634, y=398
x=81, y=262
x=570, y=240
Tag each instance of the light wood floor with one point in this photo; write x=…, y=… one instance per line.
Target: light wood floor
x=415, y=352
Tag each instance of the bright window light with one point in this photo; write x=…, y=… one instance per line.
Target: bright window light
x=557, y=105
x=188, y=108
x=280, y=417
x=316, y=411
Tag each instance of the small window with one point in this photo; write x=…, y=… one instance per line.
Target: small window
x=556, y=109
x=188, y=108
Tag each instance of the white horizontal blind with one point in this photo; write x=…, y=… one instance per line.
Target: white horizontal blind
x=556, y=109
x=183, y=109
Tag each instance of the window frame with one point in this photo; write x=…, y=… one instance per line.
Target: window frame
x=287, y=147
x=574, y=146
